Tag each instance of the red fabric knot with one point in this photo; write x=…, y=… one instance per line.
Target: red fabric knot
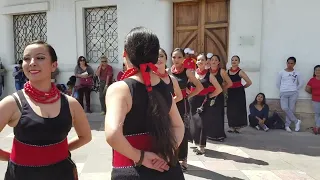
x=146, y=75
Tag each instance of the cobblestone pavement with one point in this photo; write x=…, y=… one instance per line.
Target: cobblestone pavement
x=251, y=155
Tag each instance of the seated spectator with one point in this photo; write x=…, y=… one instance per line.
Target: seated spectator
x=259, y=112
x=313, y=87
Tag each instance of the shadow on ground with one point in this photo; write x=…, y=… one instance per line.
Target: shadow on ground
x=204, y=173
x=275, y=141
x=226, y=156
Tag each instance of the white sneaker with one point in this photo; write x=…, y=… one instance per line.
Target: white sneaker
x=288, y=129
x=298, y=125
x=257, y=127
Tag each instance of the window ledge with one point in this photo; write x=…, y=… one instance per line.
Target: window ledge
x=25, y=8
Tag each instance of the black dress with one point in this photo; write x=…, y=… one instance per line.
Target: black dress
x=38, y=131
x=183, y=106
x=216, y=113
x=197, y=130
x=236, y=103
x=136, y=124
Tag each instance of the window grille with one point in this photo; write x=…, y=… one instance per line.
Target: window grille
x=28, y=28
x=101, y=34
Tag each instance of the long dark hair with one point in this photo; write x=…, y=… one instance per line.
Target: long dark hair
x=314, y=70
x=80, y=58
x=142, y=46
x=255, y=100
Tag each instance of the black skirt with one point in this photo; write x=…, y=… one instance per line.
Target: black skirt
x=237, y=108
x=144, y=173
x=214, y=119
x=64, y=170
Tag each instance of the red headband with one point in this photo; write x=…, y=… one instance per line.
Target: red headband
x=146, y=75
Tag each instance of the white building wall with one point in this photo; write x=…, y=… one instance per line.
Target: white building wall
x=245, y=40
x=290, y=28
x=65, y=29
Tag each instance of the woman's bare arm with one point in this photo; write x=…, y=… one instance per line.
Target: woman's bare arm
x=177, y=123
x=9, y=114
x=246, y=78
x=216, y=84
x=196, y=82
x=177, y=91
x=227, y=79
x=80, y=123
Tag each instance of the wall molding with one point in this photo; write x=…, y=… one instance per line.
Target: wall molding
x=25, y=8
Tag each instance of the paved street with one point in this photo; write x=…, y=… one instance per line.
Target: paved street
x=252, y=155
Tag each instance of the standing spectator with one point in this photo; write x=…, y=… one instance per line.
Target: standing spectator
x=289, y=82
x=19, y=76
x=105, y=74
x=84, y=83
x=313, y=87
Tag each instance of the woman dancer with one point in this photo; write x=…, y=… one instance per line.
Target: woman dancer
x=42, y=118
x=199, y=106
x=142, y=124
x=236, y=102
x=173, y=85
x=217, y=123
x=183, y=76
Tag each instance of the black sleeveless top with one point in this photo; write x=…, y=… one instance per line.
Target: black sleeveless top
x=136, y=120
x=219, y=77
x=236, y=77
x=36, y=130
x=182, y=78
x=205, y=81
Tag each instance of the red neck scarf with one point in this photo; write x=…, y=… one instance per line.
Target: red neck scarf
x=164, y=75
x=145, y=74
x=174, y=70
x=42, y=97
x=213, y=71
x=203, y=72
x=234, y=70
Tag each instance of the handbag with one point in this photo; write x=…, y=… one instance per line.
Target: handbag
x=186, y=117
x=86, y=82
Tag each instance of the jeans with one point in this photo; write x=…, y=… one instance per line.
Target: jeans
x=84, y=91
x=288, y=105
x=19, y=85
x=316, y=107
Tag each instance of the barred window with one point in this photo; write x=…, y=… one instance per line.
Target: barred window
x=28, y=28
x=101, y=33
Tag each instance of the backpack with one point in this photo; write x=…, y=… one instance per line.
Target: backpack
x=275, y=122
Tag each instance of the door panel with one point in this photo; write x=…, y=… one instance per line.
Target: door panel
x=203, y=26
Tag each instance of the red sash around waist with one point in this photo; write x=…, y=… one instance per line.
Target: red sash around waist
x=138, y=141
x=184, y=93
x=32, y=155
x=236, y=84
x=205, y=91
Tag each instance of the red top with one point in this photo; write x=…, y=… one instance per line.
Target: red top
x=315, y=89
x=108, y=71
x=190, y=63
x=120, y=75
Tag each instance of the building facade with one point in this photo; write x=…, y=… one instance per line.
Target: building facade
x=264, y=33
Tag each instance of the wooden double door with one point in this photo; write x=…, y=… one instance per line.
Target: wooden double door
x=202, y=25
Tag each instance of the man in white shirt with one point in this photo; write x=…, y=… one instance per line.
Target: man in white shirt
x=289, y=82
